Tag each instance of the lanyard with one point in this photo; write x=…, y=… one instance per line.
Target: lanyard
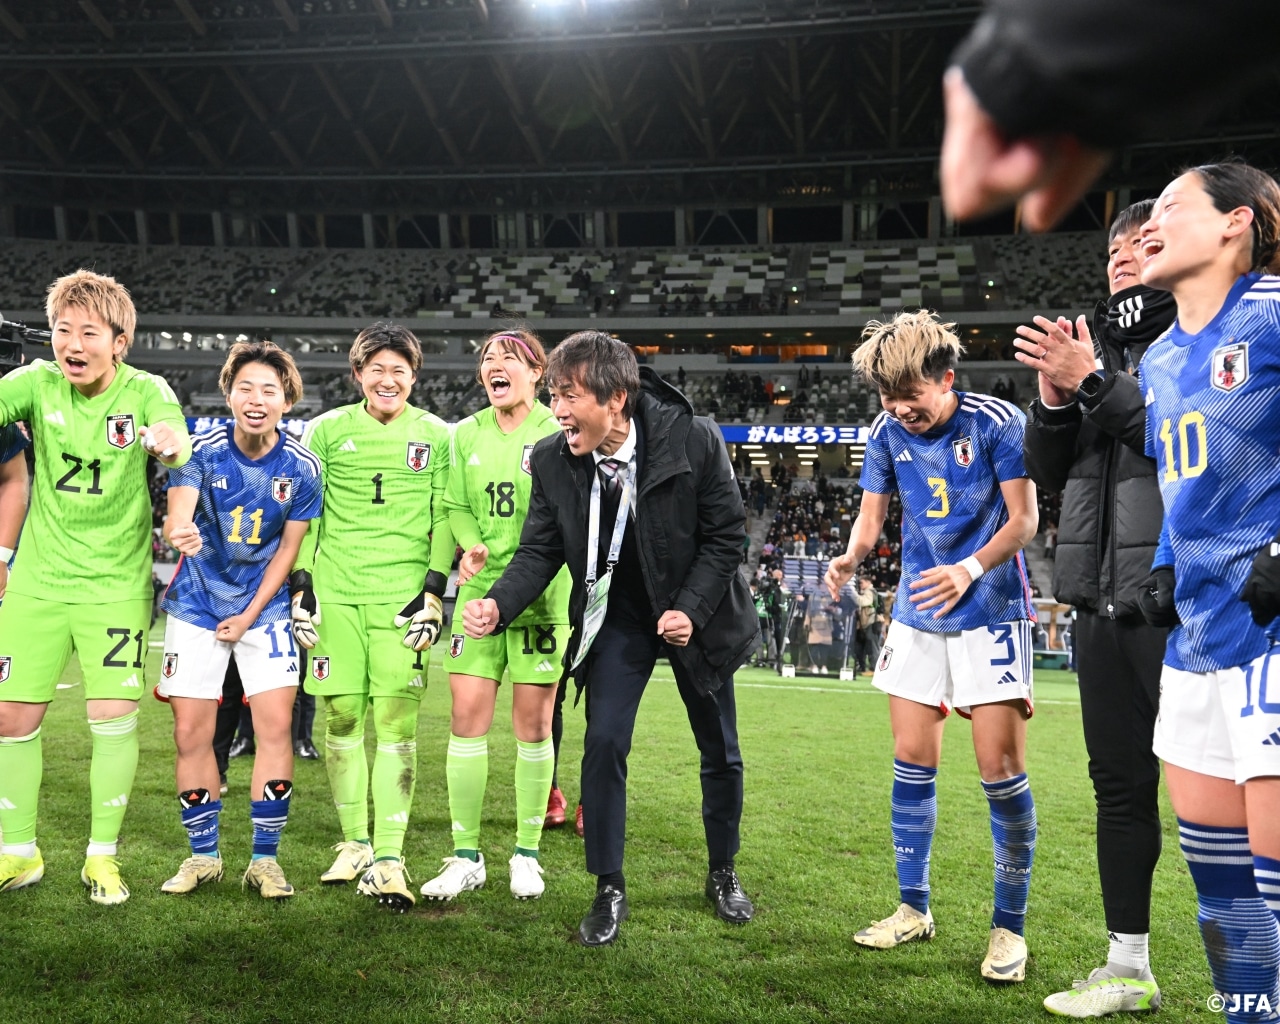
x=619, y=526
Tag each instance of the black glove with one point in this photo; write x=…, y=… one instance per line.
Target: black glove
x=424, y=615
x=1155, y=598
x=304, y=610
x=1262, y=589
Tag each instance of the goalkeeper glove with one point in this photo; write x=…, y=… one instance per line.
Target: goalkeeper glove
x=1155, y=598
x=304, y=609
x=1262, y=589
x=424, y=615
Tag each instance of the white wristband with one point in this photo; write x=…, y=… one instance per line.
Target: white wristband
x=973, y=567
x=6, y=555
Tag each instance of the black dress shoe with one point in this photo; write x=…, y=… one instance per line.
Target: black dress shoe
x=241, y=748
x=725, y=891
x=306, y=750
x=608, y=910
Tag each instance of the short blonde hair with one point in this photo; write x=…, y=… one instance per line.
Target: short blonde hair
x=268, y=354
x=104, y=297
x=910, y=348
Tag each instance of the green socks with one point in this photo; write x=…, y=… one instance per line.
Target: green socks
x=535, y=764
x=21, y=766
x=111, y=772
x=395, y=770
x=467, y=769
x=345, y=764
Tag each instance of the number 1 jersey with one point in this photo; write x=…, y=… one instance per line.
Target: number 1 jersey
x=383, y=497
x=87, y=539
x=948, y=480
x=240, y=513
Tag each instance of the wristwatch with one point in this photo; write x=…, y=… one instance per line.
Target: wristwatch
x=1089, y=387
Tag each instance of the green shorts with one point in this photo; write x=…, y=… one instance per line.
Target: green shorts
x=361, y=650
x=37, y=637
x=531, y=654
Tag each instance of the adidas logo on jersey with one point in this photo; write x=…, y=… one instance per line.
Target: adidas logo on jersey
x=545, y=666
x=55, y=417
x=132, y=681
x=474, y=460
x=220, y=482
x=904, y=457
x=402, y=817
x=348, y=445
x=1273, y=740
x=1008, y=677
x=416, y=681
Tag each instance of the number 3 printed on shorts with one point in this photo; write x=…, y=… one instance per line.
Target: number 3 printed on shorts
x=1003, y=634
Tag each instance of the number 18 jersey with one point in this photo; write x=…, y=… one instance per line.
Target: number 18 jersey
x=383, y=496
x=1213, y=427
x=949, y=482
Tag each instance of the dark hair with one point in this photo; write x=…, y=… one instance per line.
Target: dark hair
x=268, y=354
x=1235, y=183
x=601, y=364
x=385, y=335
x=1130, y=218
x=524, y=343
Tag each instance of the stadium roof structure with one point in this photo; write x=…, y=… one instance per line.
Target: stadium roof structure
x=456, y=105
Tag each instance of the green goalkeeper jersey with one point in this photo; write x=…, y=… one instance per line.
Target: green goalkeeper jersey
x=87, y=538
x=384, y=521
x=488, y=499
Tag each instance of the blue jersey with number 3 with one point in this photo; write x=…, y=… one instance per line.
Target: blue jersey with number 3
x=948, y=480
x=243, y=506
x=1213, y=427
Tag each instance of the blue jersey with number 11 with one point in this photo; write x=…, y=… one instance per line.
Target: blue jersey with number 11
x=243, y=506
x=1213, y=427
x=948, y=480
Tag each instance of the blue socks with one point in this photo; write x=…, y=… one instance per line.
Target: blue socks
x=269, y=816
x=1266, y=873
x=1241, y=936
x=1013, y=835
x=200, y=819
x=913, y=818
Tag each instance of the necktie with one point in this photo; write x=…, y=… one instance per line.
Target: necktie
x=610, y=497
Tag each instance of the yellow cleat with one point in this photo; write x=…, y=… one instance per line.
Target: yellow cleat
x=264, y=874
x=19, y=872
x=906, y=924
x=385, y=882
x=101, y=876
x=195, y=871
x=353, y=860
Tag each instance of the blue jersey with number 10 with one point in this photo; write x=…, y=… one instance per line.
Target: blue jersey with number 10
x=1213, y=427
x=243, y=506
x=948, y=480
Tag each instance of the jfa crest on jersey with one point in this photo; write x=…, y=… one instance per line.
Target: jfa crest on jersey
x=319, y=669
x=120, y=430
x=282, y=488
x=1230, y=366
x=963, y=450
x=526, y=459
x=170, y=665
x=456, y=642
x=5, y=664
x=418, y=456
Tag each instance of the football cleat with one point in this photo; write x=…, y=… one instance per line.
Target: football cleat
x=386, y=882
x=352, y=861
x=1006, y=958
x=194, y=872
x=264, y=874
x=557, y=808
x=1104, y=992
x=905, y=925
x=18, y=872
x=526, y=877
x=459, y=875
x=101, y=876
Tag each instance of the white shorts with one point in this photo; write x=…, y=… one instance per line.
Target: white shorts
x=195, y=660
x=957, y=670
x=1224, y=723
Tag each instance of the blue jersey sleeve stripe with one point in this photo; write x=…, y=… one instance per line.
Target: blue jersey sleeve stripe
x=300, y=451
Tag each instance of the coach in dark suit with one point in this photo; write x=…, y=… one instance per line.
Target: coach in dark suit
x=675, y=589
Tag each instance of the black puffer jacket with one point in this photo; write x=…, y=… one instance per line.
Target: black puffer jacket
x=690, y=519
x=1111, y=508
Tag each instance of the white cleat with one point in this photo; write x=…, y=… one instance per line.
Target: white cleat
x=906, y=925
x=1006, y=958
x=526, y=877
x=194, y=872
x=1104, y=992
x=353, y=860
x=459, y=875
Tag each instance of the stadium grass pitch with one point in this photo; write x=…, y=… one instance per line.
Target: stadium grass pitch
x=816, y=858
